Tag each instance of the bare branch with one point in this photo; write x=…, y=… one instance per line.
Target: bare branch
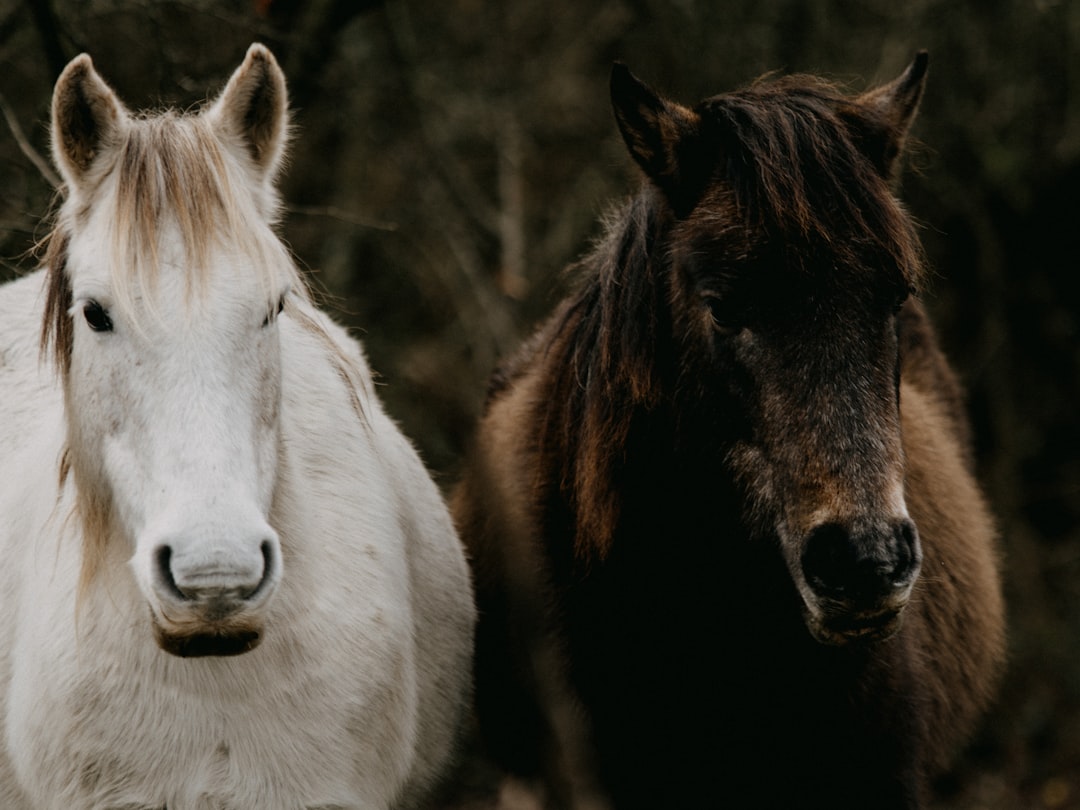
x=512, y=279
x=474, y=202
x=26, y=147
x=341, y=215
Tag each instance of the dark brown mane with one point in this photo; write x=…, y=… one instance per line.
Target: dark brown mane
x=602, y=367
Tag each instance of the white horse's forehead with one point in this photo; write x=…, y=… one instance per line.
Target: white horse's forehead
x=88, y=265
x=231, y=277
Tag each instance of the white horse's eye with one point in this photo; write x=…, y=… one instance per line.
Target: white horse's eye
x=96, y=317
x=272, y=316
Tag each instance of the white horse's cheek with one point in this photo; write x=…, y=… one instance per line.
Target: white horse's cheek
x=124, y=463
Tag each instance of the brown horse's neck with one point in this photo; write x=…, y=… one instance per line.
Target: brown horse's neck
x=610, y=366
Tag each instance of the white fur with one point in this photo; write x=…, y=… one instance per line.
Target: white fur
x=215, y=435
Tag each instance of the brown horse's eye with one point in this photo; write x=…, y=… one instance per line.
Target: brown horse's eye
x=901, y=299
x=96, y=317
x=724, y=316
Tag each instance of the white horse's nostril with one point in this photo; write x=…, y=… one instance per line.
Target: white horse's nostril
x=189, y=576
x=162, y=559
x=270, y=567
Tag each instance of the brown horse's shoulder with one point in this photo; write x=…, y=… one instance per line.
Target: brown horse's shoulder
x=925, y=367
x=958, y=594
x=493, y=498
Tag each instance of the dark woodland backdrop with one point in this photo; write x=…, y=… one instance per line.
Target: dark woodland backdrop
x=451, y=157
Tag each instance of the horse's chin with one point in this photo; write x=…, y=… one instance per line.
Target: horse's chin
x=864, y=628
x=211, y=641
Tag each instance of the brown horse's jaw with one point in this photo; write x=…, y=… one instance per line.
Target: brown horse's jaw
x=864, y=627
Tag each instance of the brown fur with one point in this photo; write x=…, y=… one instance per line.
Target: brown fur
x=651, y=466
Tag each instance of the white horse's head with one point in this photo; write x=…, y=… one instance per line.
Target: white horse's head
x=166, y=282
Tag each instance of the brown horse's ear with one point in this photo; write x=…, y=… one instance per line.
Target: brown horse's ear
x=661, y=135
x=888, y=113
x=253, y=109
x=87, y=119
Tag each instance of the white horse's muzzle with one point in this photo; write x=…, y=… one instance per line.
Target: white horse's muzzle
x=208, y=598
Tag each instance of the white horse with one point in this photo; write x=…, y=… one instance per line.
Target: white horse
x=228, y=582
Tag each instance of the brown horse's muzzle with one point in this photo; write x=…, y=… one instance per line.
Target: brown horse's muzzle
x=858, y=582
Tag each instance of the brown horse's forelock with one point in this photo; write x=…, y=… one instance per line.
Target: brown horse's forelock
x=792, y=164
x=791, y=154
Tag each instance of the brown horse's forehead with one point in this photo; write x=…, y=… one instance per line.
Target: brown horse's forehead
x=717, y=228
x=721, y=240
x=719, y=246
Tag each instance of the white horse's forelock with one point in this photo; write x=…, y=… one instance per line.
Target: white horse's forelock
x=171, y=171
x=174, y=171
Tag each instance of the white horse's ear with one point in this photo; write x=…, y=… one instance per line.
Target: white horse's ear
x=87, y=119
x=253, y=109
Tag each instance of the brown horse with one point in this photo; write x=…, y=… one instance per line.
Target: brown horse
x=728, y=545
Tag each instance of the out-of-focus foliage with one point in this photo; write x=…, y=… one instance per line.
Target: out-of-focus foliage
x=450, y=158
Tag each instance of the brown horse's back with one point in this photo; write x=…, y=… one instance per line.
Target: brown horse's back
x=957, y=612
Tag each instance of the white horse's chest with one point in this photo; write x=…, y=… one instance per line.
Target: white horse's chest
x=139, y=732
x=180, y=754
x=99, y=718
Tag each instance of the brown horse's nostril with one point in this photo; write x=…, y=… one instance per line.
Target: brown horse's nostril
x=909, y=553
x=864, y=567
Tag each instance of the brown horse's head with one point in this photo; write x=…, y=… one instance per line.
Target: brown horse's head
x=787, y=259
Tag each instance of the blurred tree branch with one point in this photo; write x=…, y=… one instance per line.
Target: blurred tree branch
x=474, y=203
x=10, y=23
x=311, y=29
x=341, y=215
x=49, y=31
x=26, y=147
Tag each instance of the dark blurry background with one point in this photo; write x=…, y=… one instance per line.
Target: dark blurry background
x=451, y=157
